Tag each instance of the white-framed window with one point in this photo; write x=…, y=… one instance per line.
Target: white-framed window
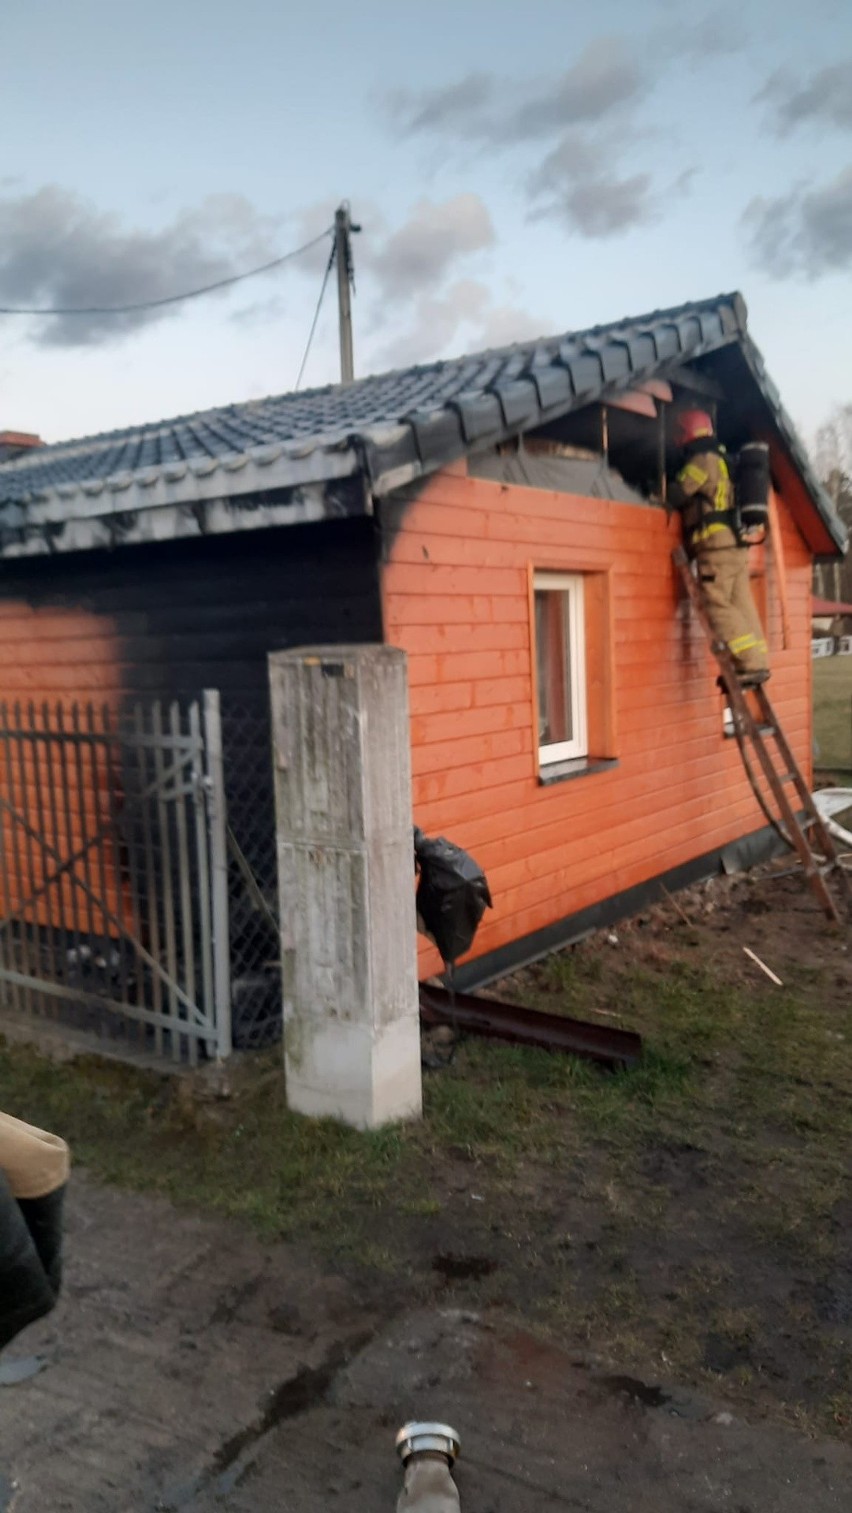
x=560, y=652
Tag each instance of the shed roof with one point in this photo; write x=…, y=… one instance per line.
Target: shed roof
x=822, y=608
x=140, y=482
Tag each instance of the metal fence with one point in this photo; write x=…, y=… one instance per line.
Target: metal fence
x=252, y=875
x=114, y=874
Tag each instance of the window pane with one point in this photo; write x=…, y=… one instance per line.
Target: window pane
x=553, y=667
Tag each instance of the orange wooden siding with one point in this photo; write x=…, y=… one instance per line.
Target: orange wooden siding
x=456, y=599
x=57, y=657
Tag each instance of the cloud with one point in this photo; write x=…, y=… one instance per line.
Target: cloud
x=824, y=98
x=605, y=206
x=438, y=321
x=58, y=250
x=416, y=294
x=504, y=325
x=720, y=33
x=605, y=78
x=806, y=233
x=578, y=184
x=581, y=118
x=482, y=108
x=261, y=312
x=576, y=158
x=435, y=321
x=419, y=255
x=451, y=105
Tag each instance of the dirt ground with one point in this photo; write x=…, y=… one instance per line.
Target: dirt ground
x=683, y=1227
x=716, y=1235
x=190, y=1368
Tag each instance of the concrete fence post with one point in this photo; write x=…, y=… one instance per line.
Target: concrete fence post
x=341, y=754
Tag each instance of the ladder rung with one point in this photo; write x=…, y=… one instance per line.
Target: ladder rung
x=787, y=777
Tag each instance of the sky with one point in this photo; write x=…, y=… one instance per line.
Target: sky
x=516, y=170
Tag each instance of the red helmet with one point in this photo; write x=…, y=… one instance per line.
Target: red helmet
x=692, y=424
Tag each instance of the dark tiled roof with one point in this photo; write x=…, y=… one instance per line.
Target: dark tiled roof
x=394, y=427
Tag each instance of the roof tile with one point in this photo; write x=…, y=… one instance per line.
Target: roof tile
x=407, y=422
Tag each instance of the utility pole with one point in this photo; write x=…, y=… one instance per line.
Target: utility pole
x=343, y=229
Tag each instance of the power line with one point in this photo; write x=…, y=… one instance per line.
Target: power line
x=328, y=267
x=174, y=299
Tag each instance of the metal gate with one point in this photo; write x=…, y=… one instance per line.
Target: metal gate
x=113, y=874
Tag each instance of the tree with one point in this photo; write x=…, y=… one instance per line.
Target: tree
x=833, y=461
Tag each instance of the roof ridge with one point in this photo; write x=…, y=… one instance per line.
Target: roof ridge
x=154, y=428
x=388, y=429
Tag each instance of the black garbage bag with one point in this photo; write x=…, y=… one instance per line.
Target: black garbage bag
x=33, y=1173
x=452, y=894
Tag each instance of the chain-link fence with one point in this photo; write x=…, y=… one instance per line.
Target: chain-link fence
x=252, y=876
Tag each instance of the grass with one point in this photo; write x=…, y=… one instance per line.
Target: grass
x=833, y=713
x=250, y=1156
x=635, y=1211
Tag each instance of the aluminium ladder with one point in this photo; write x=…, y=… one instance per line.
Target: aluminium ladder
x=781, y=773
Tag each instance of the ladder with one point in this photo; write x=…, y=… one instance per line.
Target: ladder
x=780, y=768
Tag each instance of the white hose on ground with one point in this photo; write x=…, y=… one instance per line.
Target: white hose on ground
x=831, y=801
x=429, y=1487
x=428, y=1452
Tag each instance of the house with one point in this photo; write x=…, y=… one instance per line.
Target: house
x=499, y=517
x=830, y=617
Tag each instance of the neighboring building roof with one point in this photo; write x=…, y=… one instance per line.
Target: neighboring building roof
x=392, y=428
x=822, y=607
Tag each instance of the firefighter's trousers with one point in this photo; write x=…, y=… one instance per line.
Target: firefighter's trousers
x=429, y=1487
x=723, y=575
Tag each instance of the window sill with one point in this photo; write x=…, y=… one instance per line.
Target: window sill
x=563, y=772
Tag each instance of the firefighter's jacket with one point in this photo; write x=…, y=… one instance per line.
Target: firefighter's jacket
x=704, y=493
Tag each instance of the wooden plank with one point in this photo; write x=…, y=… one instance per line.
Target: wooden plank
x=443, y=755
x=634, y=402
x=659, y=388
x=439, y=640
x=777, y=541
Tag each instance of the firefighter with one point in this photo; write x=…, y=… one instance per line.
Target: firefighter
x=703, y=491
